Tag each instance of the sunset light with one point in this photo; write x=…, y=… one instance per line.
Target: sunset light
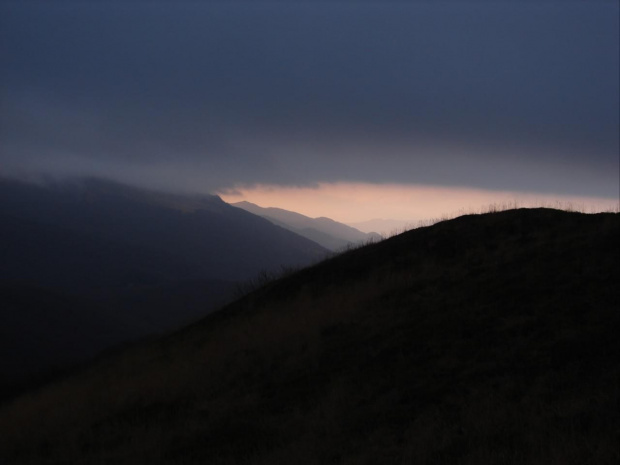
x=359, y=202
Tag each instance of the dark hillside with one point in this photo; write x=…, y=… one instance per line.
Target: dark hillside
x=43, y=331
x=210, y=238
x=143, y=261
x=484, y=339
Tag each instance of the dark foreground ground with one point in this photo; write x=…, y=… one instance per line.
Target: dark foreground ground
x=485, y=339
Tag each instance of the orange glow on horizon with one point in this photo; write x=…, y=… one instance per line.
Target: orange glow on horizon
x=357, y=202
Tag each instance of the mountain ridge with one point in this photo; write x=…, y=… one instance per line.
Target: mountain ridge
x=329, y=233
x=138, y=216
x=152, y=260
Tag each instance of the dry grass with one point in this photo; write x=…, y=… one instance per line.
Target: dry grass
x=487, y=339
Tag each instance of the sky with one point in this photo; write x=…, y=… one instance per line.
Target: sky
x=417, y=107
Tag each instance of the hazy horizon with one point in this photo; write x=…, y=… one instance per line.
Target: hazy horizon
x=351, y=110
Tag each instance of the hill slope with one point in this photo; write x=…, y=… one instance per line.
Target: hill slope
x=208, y=237
x=484, y=339
x=100, y=263
x=325, y=231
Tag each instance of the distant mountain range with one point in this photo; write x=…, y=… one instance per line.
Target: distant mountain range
x=125, y=259
x=327, y=232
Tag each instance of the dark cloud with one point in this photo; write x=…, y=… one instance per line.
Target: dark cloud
x=515, y=95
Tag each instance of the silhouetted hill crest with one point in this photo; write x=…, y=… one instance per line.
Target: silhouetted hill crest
x=484, y=339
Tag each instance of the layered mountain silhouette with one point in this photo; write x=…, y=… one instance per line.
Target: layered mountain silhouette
x=203, y=235
x=484, y=339
x=129, y=260
x=325, y=231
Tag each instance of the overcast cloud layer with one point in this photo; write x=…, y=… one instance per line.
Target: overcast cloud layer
x=207, y=96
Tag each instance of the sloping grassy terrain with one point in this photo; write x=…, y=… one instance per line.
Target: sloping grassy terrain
x=119, y=263
x=484, y=339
